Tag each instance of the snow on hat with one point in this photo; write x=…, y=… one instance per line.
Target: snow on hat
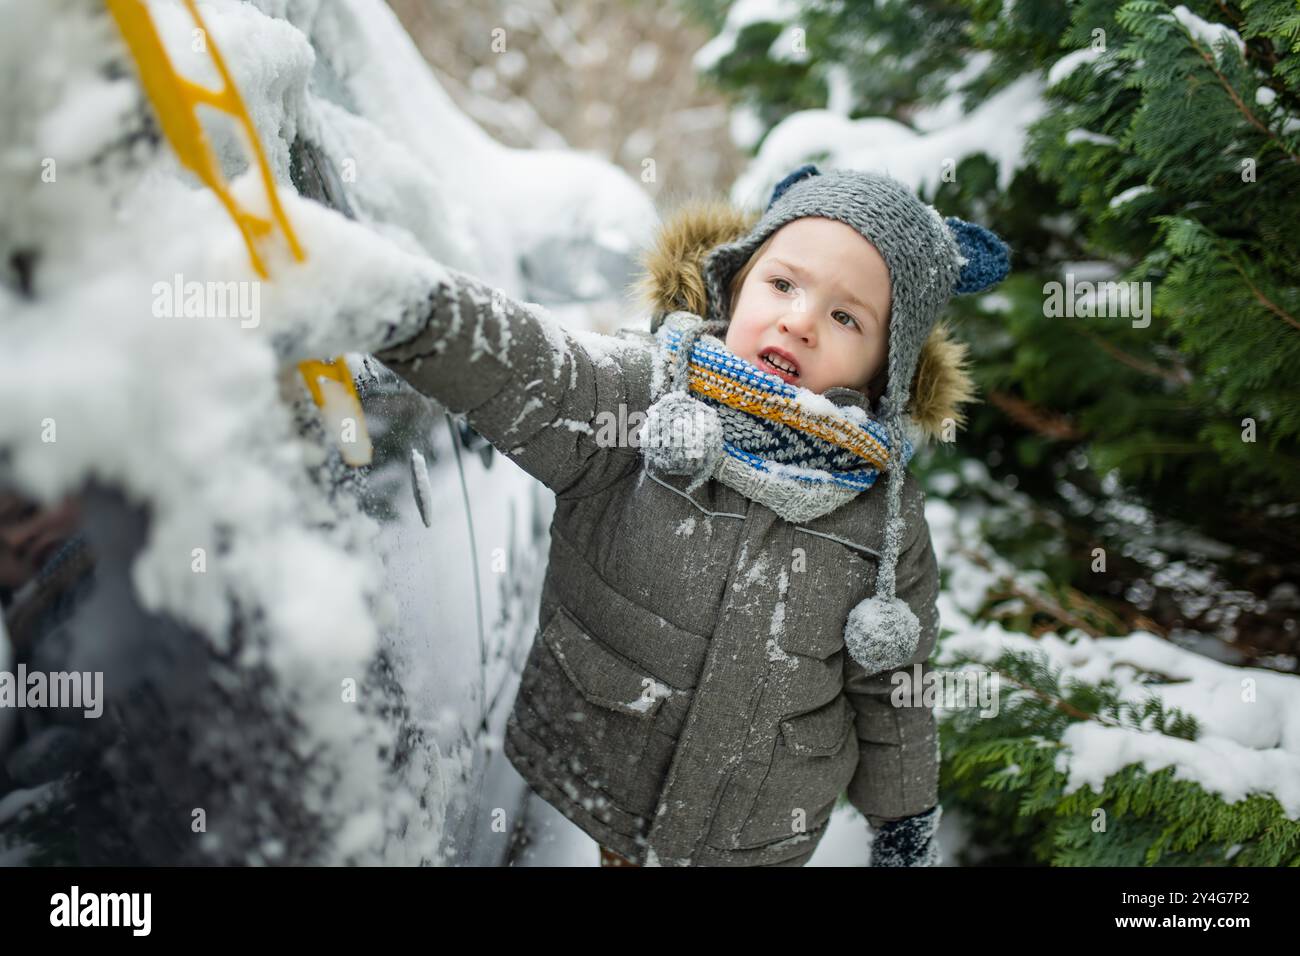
x=929, y=259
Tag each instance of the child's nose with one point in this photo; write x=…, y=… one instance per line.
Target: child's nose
x=800, y=322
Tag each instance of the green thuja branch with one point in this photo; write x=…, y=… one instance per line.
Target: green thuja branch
x=1007, y=773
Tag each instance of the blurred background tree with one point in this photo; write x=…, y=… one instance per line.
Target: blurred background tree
x=614, y=78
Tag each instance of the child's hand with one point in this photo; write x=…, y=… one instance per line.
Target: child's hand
x=911, y=841
x=356, y=291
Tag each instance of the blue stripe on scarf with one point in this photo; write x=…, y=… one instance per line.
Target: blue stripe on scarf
x=788, y=440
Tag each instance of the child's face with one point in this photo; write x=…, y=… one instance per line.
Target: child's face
x=820, y=293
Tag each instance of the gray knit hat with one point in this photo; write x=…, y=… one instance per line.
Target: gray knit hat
x=929, y=258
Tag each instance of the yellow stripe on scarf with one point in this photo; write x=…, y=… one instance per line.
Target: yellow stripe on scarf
x=780, y=409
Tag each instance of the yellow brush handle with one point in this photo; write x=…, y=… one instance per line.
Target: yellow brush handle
x=356, y=451
x=176, y=100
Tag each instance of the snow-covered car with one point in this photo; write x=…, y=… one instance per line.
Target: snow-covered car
x=302, y=661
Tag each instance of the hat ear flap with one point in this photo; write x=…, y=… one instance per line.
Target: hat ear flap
x=988, y=258
x=803, y=172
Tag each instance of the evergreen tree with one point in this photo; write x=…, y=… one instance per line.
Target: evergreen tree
x=1169, y=154
x=1005, y=774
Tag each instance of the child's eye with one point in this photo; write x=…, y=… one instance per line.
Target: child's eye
x=779, y=283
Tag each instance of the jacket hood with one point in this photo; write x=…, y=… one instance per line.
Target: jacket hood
x=673, y=279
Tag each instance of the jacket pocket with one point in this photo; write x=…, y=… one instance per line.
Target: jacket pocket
x=812, y=763
x=827, y=579
x=596, y=711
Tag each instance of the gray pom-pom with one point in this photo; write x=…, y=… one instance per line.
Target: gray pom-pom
x=682, y=436
x=882, y=634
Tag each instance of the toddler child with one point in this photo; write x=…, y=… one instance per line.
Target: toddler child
x=727, y=600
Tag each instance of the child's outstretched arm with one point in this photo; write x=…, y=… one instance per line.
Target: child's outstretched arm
x=560, y=404
x=898, y=746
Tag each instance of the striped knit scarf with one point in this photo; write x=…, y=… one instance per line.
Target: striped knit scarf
x=787, y=447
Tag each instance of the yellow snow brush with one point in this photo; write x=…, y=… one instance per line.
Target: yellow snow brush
x=176, y=100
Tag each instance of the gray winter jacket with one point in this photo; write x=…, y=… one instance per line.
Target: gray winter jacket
x=688, y=699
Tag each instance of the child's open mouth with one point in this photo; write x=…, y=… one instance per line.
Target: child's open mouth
x=779, y=364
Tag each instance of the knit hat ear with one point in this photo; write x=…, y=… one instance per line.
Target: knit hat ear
x=985, y=259
x=803, y=172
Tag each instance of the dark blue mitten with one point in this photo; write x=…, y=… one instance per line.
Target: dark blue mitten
x=911, y=841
